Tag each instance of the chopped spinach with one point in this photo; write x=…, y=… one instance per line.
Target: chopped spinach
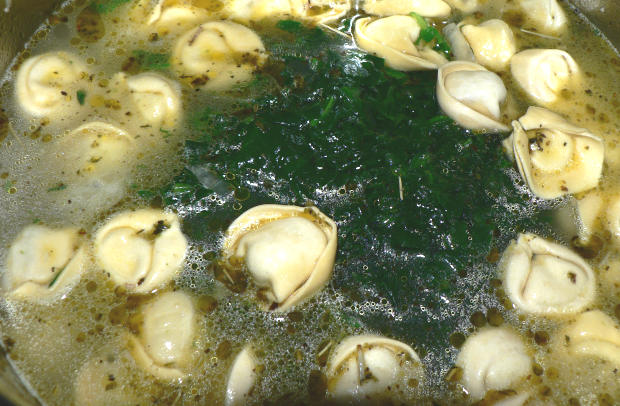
x=430, y=35
x=350, y=134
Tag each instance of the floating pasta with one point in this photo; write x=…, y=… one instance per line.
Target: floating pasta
x=43, y=262
x=493, y=359
x=218, y=55
x=288, y=250
x=48, y=83
x=593, y=334
x=141, y=250
x=241, y=378
x=492, y=42
x=163, y=347
x=369, y=367
x=542, y=277
x=544, y=73
x=554, y=157
x=425, y=8
x=394, y=39
x=471, y=95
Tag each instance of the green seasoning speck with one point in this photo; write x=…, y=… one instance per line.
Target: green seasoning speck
x=60, y=186
x=81, y=97
x=152, y=60
x=53, y=281
x=167, y=133
x=106, y=6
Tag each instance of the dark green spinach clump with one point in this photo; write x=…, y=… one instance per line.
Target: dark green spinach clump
x=345, y=132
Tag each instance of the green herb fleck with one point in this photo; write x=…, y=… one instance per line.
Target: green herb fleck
x=55, y=278
x=167, y=133
x=81, y=97
x=8, y=185
x=430, y=35
x=151, y=60
x=60, y=186
x=106, y=6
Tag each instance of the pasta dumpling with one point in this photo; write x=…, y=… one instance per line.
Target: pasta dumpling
x=493, y=359
x=172, y=16
x=164, y=345
x=96, y=149
x=545, y=16
x=458, y=44
x=593, y=334
x=492, y=43
x=44, y=262
x=425, y=8
x=471, y=95
x=317, y=11
x=542, y=277
x=288, y=250
x=47, y=82
x=543, y=73
x=466, y=6
x=554, y=157
x=369, y=367
x=393, y=39
x=156, y=98
x=141, y=249
x=241, y=378
x=218, y=55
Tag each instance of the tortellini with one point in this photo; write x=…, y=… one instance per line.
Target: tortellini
x=554, y=157
x=543, y=73
x=613, y=216
x=104, y=380
x=493, y=359
x=142, y=249
x=317, y=11
x=43, y=262
x=164, y=345
x=466, y=6
x=459, y=46
x=425, y=8
x=593, y=334
x=393, y=39
x=45, y=83
x=241, y=378
x=589, y=209
x=546, y=16
x=156, y=98
x=542, y=277
x=218, y=55
x=492, y=43
x=288, y=250
x=471, y=95
x=97, y=149
x=369, y=367
x=174, y=15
